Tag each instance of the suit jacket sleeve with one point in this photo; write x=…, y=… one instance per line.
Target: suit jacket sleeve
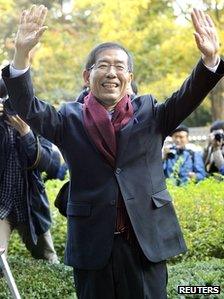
x=184, y=101
x=41, y=116
x=40, y=154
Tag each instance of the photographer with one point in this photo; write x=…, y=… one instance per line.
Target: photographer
x=180, y=163
x=23, y=202
x=214, y=152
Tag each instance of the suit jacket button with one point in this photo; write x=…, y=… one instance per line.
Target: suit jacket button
x=118, y=170
x=113, y=202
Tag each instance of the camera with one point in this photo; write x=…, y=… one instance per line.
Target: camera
x=172, y=153
x=219, y=136
x=171, y=149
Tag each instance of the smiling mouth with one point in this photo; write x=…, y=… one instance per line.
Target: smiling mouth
x=110, y=85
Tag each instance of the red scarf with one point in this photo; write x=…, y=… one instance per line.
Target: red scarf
x=101, y=129
x=103, y=132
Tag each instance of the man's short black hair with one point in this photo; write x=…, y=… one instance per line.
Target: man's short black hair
x=91, y=60
x=180, y=128
x=217, y=125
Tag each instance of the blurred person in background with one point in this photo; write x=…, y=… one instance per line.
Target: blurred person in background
x=23, y=201
x=214, y=152
x=180, y=162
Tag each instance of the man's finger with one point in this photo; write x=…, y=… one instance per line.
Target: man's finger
x=195, y=20
x=198, y=40
x=13, y=118
x=23, y=17
x=30, y=13
x=41, y=14
x=203, y=18
x=39, y=10
x=209, y=20
x=40, y=32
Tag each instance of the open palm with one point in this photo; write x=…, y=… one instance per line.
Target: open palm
x=205, y=33
x=31, y=28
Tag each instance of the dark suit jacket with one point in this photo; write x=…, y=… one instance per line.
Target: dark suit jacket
x=139, y=172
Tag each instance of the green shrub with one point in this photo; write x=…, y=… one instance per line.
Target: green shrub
x=200, y=209
x=38, y=280
x=59, y=222
x=193, y=273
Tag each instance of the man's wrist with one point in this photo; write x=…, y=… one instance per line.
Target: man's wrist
x=212, y=61
x=21, y=60
x=16, y=73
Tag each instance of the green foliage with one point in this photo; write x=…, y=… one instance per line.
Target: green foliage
x=200, y=209
x=202, y=115
x=59, y=225
x=38, y=279
x=201, y=214
x=196, y=274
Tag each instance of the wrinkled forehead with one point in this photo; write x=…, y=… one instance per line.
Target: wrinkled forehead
x=112, y=56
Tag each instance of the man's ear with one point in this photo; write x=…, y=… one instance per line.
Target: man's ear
x=86, y=75
x=131, y=77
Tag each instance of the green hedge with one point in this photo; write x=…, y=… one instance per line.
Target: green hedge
x=59, y=227
x=200, y=209
x=39, y=280
x=193, y=273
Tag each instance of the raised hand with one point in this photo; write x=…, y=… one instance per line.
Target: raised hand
x=30, y=30
x=206, y=37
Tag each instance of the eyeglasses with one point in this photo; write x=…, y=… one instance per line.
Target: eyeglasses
x=105, y=67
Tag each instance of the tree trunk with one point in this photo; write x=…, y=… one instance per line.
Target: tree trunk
x=217, y=101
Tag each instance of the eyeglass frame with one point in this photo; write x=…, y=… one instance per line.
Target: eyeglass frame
x=109, y=65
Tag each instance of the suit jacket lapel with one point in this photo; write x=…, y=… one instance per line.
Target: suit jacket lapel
x=125, y=134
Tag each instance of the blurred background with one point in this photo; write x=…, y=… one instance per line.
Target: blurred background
x=159, y=34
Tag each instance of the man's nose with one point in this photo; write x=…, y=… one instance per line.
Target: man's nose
x=111, y=72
